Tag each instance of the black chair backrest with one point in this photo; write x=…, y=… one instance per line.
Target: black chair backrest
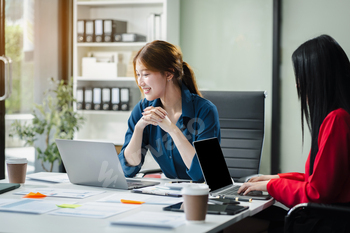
x=315, y=217
x=242, y=124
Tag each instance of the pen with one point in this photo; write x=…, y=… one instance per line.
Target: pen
x=244, y=199
x=131, y=201
x=175, y=182
x=238, y=198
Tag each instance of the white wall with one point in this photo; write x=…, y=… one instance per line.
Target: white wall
x=303, y=20
x=229, y=45
x=46, y=54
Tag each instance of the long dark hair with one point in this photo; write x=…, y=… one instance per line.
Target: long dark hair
x=162, y=56
x=322, y=75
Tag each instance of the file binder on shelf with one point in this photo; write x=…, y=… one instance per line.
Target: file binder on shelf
x=97, y=98
x=98, y=30
x=112, y=27
x=81, y=30
x=124, y=99
x=154, y=27
x=89, y=30
x=106, y=98
x=80, y=98
x=88, y=98
x=157, y=27
x=115, y=99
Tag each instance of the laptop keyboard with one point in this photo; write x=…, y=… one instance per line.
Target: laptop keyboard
x=229, y=191
x=232, y=191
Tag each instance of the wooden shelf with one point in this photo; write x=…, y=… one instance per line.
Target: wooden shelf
x=119, y=2
x=114, y=79
x=103, y=112
x=113, y=44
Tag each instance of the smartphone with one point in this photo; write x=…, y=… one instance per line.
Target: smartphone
x=228, y=209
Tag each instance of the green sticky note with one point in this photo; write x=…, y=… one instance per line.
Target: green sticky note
x=68, y=206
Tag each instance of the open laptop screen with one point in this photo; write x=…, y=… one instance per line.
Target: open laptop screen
x=212, y=163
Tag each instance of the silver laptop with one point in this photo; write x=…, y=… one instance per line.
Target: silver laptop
x=95, y=164
x=215, y=171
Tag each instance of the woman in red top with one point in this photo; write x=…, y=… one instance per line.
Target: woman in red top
x=322, y=76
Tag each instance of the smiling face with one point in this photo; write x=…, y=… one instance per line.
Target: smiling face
x=153, y=83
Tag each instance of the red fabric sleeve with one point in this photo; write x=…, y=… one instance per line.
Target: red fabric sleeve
x=292, y=176
x=331, y=167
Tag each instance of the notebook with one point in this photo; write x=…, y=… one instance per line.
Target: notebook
x=5, y=187
x=95, y=164
x=215, y=171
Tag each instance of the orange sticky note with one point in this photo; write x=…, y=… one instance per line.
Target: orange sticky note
x=34, y=195
x=131, y=201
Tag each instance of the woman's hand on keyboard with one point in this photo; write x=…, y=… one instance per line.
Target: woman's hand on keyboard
x=253, y=186
x=263, y=178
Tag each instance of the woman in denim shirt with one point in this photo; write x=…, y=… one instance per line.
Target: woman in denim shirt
x=172, y=115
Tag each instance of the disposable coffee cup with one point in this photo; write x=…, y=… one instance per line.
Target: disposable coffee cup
x=195, y=202
x=17, y=169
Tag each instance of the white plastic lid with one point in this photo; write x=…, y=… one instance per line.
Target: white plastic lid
x=17, y=161
x=195, y=189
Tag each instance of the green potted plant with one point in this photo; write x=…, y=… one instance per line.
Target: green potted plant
x=54, y=118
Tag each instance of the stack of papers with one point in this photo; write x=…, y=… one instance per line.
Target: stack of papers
x=30, y=206
x=152, y=219
x=70, y=193
x=49, y=177
x=147, y=199
x=64, y=208
x=159, y=190
x=94, y=210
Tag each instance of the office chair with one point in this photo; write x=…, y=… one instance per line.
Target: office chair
x=313, y=217
x=242, y=124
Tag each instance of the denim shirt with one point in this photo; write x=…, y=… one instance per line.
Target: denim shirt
x=199, y=120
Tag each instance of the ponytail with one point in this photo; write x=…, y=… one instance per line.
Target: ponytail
x=189, y=79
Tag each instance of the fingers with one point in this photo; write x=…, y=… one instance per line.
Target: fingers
x=246, y=188
x=254, y=179
x=242, y=188
x=149, y=121
x=157, y=110
x=153, y=115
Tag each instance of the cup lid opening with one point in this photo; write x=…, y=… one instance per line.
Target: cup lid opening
x=16, y=161
x=195, y=189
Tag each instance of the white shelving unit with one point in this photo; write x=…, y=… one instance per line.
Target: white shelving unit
x=112, y=125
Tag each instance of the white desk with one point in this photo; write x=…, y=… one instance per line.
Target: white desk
x=18, y=222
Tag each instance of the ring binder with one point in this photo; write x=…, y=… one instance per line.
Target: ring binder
x=80, y=98
x=97, y=98
x=98, y=30
x=124, y=99
x=106, y=98
x=115, y=99
x=112, y=27
x=88, y=98
x=89, y=30
x=81, y=30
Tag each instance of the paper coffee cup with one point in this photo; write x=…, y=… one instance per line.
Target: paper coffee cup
x=17, y=169
x=195, y=202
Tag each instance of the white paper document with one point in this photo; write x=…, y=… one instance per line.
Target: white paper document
x=152, y=219
x=70, y=193
x=95, y=210
x=30, y=206
x=148, y=199
x=159, y=190
x=49, y=177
